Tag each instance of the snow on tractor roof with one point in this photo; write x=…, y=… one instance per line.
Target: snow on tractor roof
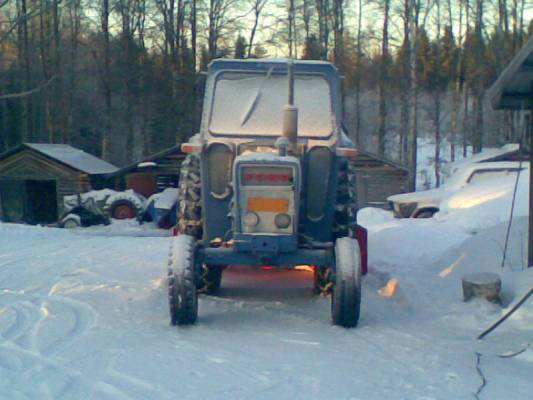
x=74, y=158
x=270, y=61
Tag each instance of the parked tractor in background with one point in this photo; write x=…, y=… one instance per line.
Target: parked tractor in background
x=268, y=181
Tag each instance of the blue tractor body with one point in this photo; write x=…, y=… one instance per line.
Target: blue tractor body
x=268, y=181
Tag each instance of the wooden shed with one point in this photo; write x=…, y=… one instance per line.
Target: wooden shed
x=153, y=174
x=378, y=179
x=513, y=90
x=34, y=178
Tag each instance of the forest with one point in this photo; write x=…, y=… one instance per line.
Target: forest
x=123, y=79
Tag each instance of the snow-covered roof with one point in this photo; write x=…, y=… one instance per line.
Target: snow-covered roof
x=268, y=60
x=485, y=155
x=73, y=157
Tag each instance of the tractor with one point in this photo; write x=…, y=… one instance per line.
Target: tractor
x=268, y=182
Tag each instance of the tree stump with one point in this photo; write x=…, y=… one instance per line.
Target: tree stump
x=483, y=284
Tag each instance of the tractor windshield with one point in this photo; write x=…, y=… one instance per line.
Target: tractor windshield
x=252, y=104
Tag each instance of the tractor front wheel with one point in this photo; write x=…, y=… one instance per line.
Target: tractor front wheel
x=182, y=293
x=346, y=296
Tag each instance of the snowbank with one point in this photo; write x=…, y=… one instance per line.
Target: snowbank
x=99, y=196
x=486, y=203
x=413, y=242
x=166, y=199
x=426, y=160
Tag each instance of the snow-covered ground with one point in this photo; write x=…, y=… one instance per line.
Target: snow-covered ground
x=83, y=314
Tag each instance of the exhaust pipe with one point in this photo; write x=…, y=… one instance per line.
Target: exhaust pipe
x=290, y=113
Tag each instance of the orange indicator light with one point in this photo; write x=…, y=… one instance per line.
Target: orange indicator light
x=268, y=204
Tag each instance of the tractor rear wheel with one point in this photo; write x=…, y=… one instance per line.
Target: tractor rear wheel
x=346, y=206
x=190, y=218
x=182, y=294
x=210, y=279
x=190, y=198
x=346, y=296
x=322, y=278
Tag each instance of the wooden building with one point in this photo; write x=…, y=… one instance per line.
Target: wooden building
x=513, y=90
x=34, y=178
x=153, y=174
x=377, y=179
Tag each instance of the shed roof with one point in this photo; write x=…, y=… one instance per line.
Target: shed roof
x=174, y=150
x=68, y=155
x=514, y=87
x=365, y=158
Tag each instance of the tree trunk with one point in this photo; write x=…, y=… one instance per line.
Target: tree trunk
x=28, y=131
x=358, y=76
x=405, y=85
x=58, y=84
x=106, y=80
x=290, y=18
x=383, y=81
x=413, y=98
x=437, y=137
x=466, y=120
x=74, y=16
x=43, y=39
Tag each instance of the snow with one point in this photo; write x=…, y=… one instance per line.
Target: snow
x=487, y=203
x=167, y=199
x=135, y=198
x=99, y=196
x=485, y=155
x=84, y=314
x=75, y=158
x=426, y=160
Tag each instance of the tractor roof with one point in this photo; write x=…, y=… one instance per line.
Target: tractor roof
x=264, y=64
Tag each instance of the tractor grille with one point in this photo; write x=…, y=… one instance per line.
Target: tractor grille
x=267, y=199
x=267, y=176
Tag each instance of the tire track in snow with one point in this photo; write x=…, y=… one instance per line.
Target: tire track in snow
x=142, y=389
x=85, y=318
x=33, y=363
x=25, y=317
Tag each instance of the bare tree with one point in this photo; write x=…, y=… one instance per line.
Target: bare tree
x=383, y=79
x=24, y=59
x=257, y=8
x=291, y=18
x=338, y=29
x=405, y=84
x=323, y=12
x=220, y=17
x=358, y=66
x=105, y=79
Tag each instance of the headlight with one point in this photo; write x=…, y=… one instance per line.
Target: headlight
x=251, y=219
x=282, y=221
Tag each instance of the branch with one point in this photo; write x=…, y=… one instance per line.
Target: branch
x=28, y=16
x=507, y=315
x=28, y=92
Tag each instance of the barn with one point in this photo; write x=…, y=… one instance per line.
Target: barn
x=153, y=174
x=34, y=177
x=377, y=179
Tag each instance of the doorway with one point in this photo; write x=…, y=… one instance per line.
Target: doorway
x=29, y=201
